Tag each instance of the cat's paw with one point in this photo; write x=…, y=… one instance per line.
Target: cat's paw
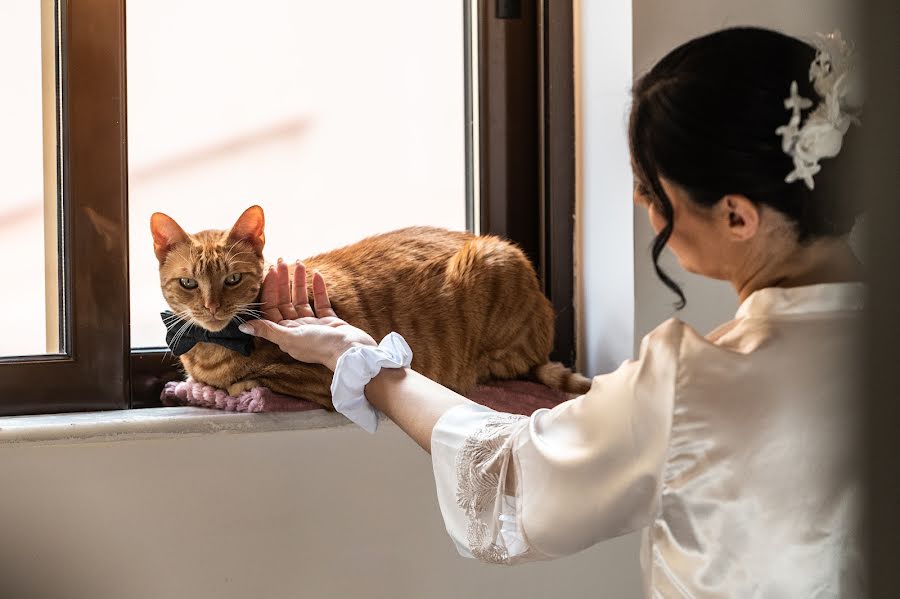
x=240, y=387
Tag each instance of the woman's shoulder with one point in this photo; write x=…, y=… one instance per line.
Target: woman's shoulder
x=670, y=335
x=678, y=340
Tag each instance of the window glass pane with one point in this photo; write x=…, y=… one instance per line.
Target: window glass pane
x=28, y=208
x=341, y=119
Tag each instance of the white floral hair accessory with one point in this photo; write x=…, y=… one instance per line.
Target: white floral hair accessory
x=821, y=135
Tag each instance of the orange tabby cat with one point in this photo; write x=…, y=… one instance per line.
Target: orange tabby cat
x=470, y=307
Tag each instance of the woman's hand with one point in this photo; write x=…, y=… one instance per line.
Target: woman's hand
x=319, y=336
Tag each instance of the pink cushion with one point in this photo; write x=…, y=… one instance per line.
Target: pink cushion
x=515, y=397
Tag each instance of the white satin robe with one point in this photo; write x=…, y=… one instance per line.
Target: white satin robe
x=734, y=452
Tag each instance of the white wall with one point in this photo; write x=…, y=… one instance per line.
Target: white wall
x=604, y=230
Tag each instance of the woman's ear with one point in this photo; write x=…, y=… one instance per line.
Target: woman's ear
x=249, y=227
x=166, y=234
x=742, y=217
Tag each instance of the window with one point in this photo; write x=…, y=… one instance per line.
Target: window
x=28, y=206
x=82, y=60
x=453, y=115
x=341, y=120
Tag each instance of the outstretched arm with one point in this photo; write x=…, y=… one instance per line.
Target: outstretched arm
x=414, y=402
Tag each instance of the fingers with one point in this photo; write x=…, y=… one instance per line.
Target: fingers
x=285, y=305
x=269, y=296
x=320, y=296
x=263, y=328
x=299, y=296
x=283, y=300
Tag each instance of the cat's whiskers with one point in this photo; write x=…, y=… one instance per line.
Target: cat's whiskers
x=242, y=307
x=239, y=264
x=180, y=253
x=248, y=311
x=227, y=258
x=174, y=317
x=228, y=252
x=181, y=330
x=170, y=321
x=174, y=340
x=188, y=325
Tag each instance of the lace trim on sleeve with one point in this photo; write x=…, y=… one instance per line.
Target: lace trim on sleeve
x=481, y=468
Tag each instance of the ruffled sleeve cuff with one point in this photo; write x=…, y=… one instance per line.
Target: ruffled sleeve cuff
x=472, y=453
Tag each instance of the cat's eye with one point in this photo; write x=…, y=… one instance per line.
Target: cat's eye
x=233, y=278
x=188, y=283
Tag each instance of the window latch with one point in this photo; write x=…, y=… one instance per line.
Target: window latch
x=509, y=9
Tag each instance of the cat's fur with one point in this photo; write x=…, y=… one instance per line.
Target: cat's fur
x=470, y=307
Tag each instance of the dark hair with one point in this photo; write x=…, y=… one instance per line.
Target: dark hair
x=705, y=118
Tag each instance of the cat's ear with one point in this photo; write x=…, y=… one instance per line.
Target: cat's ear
x=249, y=227
x=166, y=233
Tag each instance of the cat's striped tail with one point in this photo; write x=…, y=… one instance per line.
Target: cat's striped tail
x=557, y=376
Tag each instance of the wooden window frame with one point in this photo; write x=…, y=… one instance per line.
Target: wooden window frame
x=527, y=142
x=524, y=179
x=90, y=373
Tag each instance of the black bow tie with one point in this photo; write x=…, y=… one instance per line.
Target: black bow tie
x=229, y=337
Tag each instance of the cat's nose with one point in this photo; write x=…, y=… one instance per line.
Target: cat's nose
x=212, y=308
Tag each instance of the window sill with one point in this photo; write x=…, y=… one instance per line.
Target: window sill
x=154, y=423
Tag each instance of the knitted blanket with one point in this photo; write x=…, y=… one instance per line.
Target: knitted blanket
x=514, y=397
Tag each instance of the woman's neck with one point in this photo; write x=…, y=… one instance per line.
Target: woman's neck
x=822, y=261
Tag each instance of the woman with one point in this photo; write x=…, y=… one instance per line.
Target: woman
x=734, y=451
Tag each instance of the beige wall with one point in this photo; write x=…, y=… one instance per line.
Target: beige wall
x=334, y=513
